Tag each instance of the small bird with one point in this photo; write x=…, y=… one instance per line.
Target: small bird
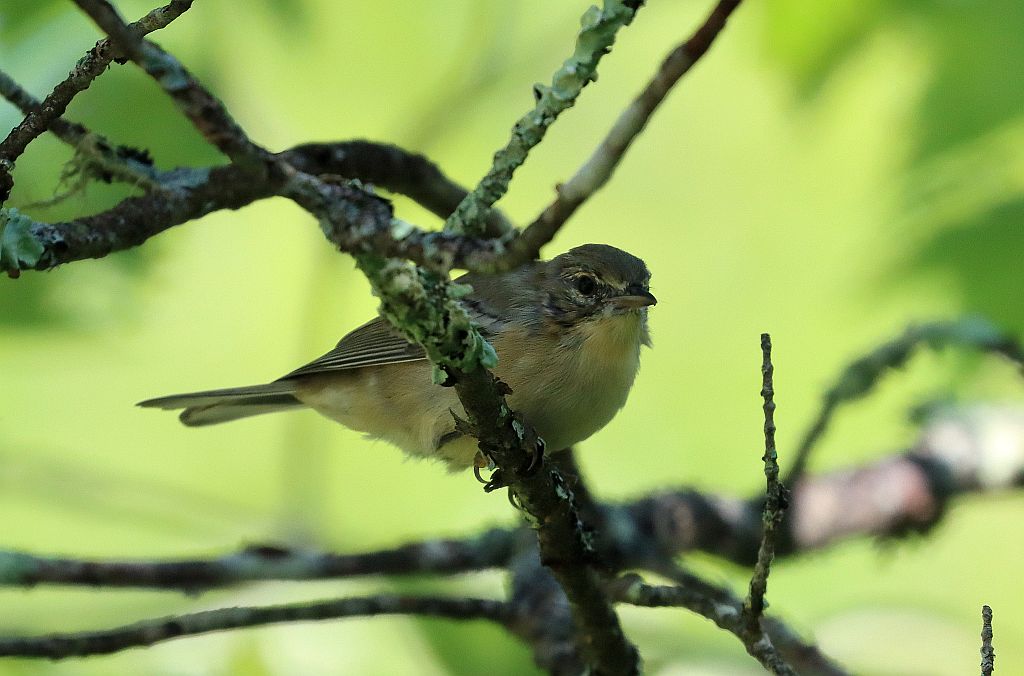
x=567, y=333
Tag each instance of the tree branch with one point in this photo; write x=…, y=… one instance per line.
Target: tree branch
x=185, y=195
x=88, y=68
x=599, y=27
x=723, y=608
x=207, y=114
x=492, y=549
x=150, y=632
x=890, y=497
x=541, y=613
x=600, y=166
x=960, y=452
x=988, y=654
x=774, y=507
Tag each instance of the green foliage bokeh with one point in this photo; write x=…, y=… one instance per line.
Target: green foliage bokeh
x=829, y=173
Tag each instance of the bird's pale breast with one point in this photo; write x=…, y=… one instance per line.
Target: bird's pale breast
x=567, y=385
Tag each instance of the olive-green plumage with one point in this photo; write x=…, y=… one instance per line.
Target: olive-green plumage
x=567, y=332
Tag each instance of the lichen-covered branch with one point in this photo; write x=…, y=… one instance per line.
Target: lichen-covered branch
x=95, y=156
x=207, y=114
x=185, y=195
x=598, y=168
x=151, y=632
x=599, y=26
x=48, y=112
x=425, y=307
x=388, y=166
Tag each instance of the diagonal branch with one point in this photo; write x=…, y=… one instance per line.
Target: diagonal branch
x=424, y=306
x=600, y=166
x=778, y=646
x=541, y=613
x=599, y=27
x=85, y=71
x=100, y=157
x=207, y=114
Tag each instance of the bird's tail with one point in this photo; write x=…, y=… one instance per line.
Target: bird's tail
x=217, y=406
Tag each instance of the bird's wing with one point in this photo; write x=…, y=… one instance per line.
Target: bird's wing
x=373, y=344
x=376, y=343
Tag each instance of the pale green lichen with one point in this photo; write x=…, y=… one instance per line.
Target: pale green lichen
x=19, y=249
x=16, y=567
x=401, y=229
x=425, y=308
x=597, y=34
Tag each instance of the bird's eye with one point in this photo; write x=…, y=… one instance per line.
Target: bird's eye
x=586, y=285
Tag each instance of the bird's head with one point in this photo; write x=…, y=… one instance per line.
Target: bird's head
x=596, y=282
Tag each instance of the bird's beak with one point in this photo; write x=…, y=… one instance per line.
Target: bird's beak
x=634, y=298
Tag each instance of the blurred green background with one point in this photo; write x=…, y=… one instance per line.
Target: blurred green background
x=829, y=173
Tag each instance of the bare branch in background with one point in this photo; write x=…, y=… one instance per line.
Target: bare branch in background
x=491, y=549
x=961, y=452
x=151, y=632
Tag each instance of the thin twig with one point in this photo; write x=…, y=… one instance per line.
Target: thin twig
x=85, y=71
x=599, y=27
x=716, y=604
x=775, y=501
x=95, y=155
x=207, y=114
x=988, y=653
x=66, y=131
x=150, y=632
x=599, y=167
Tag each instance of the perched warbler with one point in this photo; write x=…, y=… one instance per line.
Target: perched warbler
x=567, y=332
